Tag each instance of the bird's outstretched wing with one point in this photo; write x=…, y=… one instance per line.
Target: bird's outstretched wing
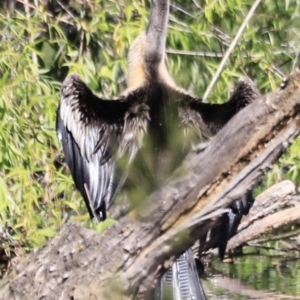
x=208, y=118
x=92, y=132
x=244, y=93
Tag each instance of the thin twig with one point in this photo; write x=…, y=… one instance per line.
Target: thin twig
x=194, y=53
x=29, y=5
x=81, y=45
x=221, y=54
x=296, y=61
x=65, y=9
x=182, y=10
x=197, y=4
x=180, y=29
x=33, y=54
x=66, y=21
x=222, y=35
x=277, y=72
x=228, y=52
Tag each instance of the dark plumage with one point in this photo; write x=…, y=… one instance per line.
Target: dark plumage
x=92, y=130
x=244, y=93
x=95, y=133
x=181, y=281
x=208, y=118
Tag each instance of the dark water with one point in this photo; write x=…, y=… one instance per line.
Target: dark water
x=262, y=274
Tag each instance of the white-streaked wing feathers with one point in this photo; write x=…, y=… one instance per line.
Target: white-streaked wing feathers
x=86, y=130
x=94, y=132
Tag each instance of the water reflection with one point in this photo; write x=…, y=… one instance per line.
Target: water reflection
x=254, y=277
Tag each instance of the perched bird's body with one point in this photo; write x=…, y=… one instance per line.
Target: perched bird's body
x=149, y=115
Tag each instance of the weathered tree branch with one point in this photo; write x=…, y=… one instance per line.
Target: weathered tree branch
x=266, y=214
x=131, y=255
x=270, y=201
x=266, y=225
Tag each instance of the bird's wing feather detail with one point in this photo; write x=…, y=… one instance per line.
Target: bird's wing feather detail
x=91, y=130
x=207, y=118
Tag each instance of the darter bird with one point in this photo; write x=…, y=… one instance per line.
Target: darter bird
x=95, y=132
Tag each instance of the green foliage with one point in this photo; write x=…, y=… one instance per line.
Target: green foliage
x=39, y=50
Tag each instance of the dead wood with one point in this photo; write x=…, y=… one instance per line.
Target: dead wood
x=268, y=213
x=266, y=225
x=272, y=200
x=131, y=255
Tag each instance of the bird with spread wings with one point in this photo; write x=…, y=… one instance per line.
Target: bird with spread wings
x=96, y=132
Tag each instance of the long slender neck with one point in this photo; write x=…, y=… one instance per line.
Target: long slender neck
x=156, y=31
x=147, y=52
